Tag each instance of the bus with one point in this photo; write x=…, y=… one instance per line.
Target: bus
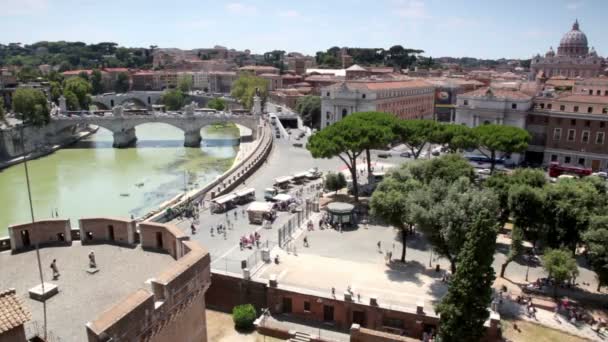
x=556, y=170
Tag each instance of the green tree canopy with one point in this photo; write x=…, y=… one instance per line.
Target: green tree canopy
x=96, y=82
x=449, y=168
x=596, y=240
x=122, y=83
x=81, y=88
x=217, y=104
x=55, y=90
x=2, y=112
x=309, y=107
x=174, y=99
x=342, y=140
x=335, y=181
x=71, y=100
x=244, y=88
x=560, y=265
x=497, y=141
x=378, y=132
x=184, y=83
x=464, y=309
x=31, y=106
x=415, y=134
x=455, y=137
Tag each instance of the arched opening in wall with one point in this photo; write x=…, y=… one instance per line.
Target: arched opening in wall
x=99, y=106
x=344, y=113
x=158, y=134
x=100, y=137
x=486, y=122
x=134, y=103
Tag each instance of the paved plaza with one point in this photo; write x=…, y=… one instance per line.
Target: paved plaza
x=82, y=296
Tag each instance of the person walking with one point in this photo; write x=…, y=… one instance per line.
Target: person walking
x=55, y=269
x=379, y=244
x=306, y=241
x=192, y=228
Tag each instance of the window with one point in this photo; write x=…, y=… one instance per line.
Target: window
x=581, y=161
x=557, y=134
x=573, y=122
x=327, y=115
x=549, y=106
x=605, y=92
x=554, y=157
x=513, y=105
x=363, y=96
x=567, y=160
x=598, y=93
x=585, y=137
x=576, y=109
x=542, y=106
x=466, y=102
x=590, y=91
x=327, y=93
x=344, y=113
x=562, y=108
x=602, y=124
x=605, y=110
x=599, y=138
x=589, y=109
x=306, y=306
x=571, y=135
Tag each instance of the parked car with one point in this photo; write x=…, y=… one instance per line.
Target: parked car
x=600, y=174
x=405, y=155
x=384, y=155
x=483, y=171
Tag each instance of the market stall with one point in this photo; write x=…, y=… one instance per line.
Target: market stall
x=283, y=182
x=223, y=203
x=258, y=212
x=282, y=201
x=245, y=195
x=341, y=213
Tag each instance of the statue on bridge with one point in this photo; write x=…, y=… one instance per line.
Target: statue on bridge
x=63, y=107
x=190, y=108
x=118, y=111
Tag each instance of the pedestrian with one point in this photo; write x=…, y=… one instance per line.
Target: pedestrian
x=235, y=215
x=379, y=244
x=55, y=269
x=211, y=230
x=241, y=243
x=225, y=237
x=192, y=228
x=305, y=241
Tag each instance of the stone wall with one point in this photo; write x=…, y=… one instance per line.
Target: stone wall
x=47, y=232
x=163, y=237
x=105, y=230
x=228, y=291
x=358, y=334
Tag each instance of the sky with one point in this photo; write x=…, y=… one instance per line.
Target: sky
x=457, y=28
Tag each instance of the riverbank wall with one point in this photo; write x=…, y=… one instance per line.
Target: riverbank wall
x=224, y=183
x=37, y=142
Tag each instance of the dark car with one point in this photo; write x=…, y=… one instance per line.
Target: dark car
x=384, y=155
x=405, y=154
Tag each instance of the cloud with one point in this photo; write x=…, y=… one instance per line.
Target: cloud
x=18, y=7
x=240, y=8
x=289, y=14
x=413, y=9
x=573, y=6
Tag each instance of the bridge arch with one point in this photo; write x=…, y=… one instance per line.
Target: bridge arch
x=137, y=101
x=101, y=105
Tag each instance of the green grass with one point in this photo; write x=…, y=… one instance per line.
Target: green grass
x=531, y=332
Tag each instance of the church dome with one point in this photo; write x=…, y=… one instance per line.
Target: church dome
x=550, y=53
x=574, y=42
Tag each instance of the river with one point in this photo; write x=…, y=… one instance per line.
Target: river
x=92, y=179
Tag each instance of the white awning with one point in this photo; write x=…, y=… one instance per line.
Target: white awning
x=301, y=175
x=245, y=192
x=283, y=179
x=225, y=199
x=260, y=207
x=282, y=198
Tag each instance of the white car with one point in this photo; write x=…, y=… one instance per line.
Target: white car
x=484, y=171
x=600, y=174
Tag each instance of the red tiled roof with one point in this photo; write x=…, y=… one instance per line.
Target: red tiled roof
x=12, y=312
x=116, y=69
x=499, y=93
x=143, y=73
x=390, y=84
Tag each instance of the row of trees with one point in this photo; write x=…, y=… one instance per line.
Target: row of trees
x=309, y=108
x=358, y=133
x=396, y=56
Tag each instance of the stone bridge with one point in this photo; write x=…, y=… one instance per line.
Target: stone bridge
x=122, y=125
x=143, y=98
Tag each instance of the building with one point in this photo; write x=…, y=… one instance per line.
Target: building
x=143, y=80
x=446, y=92
x=258, y=70
x=221, y=81
x=406, y=99
x=573, y=58
x=570, y=129
x=200, y=80
x=12, y=317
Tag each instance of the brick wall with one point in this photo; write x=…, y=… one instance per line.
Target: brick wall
x=228, y=291
x=358, y=334
x=96, y=230
x=16, y=334
x=161, y=237
x=47, y=232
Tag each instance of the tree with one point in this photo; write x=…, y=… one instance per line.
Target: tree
x=217, y=104
x=390, y=202
x=309, y=107
x=455, y=137
x=71, y=100
x=497, y=141
x=445, y=213
x=184, y=83
x=79, y=87
x=28, y=74
x=341, y=140
x=96, y=82
x=568, y=206
x=244, y=316
x=415, y=134
x=122, y=83
x=335, y=181
x=560, y=265
x=55, y=90
x=244, y=89
x=449, y=168
x=464, y=309
x=596, y=239
x=378, y=132
x=524, y=202
x=31, y=106
x=174, y=99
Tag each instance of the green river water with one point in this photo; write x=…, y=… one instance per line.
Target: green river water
x=91, y=179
